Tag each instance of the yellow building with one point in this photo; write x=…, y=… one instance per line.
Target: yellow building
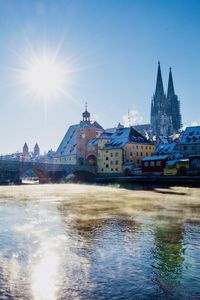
x=176, y=167
x=110, y=160
x=126, y=147
x=135, y=152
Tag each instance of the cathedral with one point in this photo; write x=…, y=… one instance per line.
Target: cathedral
x=165, y=109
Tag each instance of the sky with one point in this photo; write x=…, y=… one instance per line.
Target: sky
x=109, y=51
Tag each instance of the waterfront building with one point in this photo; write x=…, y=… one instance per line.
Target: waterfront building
x=163, y=153
x=126, y=148
x=165, y=108
x=72, y=149
x=190, y=141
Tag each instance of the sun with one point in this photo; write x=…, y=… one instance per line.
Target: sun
x=44, y=77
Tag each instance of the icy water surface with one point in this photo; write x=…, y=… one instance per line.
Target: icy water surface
x=87, y=242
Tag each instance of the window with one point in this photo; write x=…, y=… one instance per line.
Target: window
x=116, y=162
x=146, y=147
x=147, y=154
x=131, y=153
x=111, y=169
x=185, y=148
x=141, y=147
x=138, y=161
x=141, y=154
x=146, y=163
x=111, y=162
x=107, y=158
x=116, y=153
x=152, y=163
x=116, y=169
x=137, y=146
x=102, y=170
x=149, y=147
x=111, y=154
x=158, y=163
x=107, y=166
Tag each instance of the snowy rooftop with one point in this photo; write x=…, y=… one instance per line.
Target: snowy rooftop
x=156, y=157
x=105, y=135
x=68, y=144
x=172, y=162
x=165, y=148
x=123, y=136
x=191, y=135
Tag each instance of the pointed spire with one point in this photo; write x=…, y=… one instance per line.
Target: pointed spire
x=159, y=83
x=170, y=89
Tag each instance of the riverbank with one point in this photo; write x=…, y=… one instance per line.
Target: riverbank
x=156, y=180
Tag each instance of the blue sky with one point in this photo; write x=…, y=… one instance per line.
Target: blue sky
x=111, y=46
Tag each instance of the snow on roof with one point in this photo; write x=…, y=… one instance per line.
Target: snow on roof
x=123, y=136
x=105, y=135
x=172, y=162
x=156, y=157
x=111, y=130
x=92, y=124
x=68, y=144
x=165, y=148
x=191, y=135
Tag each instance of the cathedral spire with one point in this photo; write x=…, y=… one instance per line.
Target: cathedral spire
x=170, y=89
x=159, y=83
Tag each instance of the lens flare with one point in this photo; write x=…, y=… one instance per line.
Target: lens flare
x=45, y=78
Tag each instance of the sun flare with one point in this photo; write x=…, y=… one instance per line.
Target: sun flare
x=44, y=77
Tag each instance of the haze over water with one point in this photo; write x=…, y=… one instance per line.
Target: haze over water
x=93, y=242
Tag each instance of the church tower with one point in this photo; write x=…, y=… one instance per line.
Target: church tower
x=165, y=110
x=86, y=114
x=25, y=150
x=174, y=103
x=36, y=150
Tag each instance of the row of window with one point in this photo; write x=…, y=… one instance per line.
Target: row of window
x=141, y=147
x=112, y=154
x=152, y=163
x=116, y=169
x=141, y=154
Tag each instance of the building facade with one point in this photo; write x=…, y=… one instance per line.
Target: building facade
x=73, y=148
x=165, y=108
x=126, y=148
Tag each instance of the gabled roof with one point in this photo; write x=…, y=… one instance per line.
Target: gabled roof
x=123, y=136
x=191, y=135
x=68, y=144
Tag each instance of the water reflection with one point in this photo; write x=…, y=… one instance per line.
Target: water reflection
x=87, y=242
x=168, y=254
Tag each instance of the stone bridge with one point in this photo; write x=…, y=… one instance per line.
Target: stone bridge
x=13, y=171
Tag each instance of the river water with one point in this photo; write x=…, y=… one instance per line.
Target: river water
x=72, y=241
